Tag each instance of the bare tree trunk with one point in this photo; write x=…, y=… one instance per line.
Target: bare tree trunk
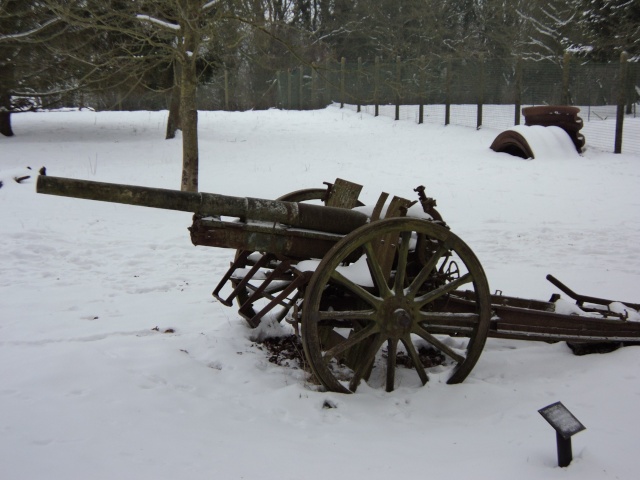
x=5, y=121
x=188, y=107
x=5, y=103
x=189, y=121
x=173, y=122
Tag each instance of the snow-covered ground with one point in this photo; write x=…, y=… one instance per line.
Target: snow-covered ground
x=91, y=389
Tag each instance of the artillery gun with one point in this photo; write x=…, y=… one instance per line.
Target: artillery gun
x=374, y=292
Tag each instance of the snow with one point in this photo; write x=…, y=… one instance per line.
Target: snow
x=92, y=389
x=629, y=313
x=157, y=21
x=550, y=143
x=357, y=272
x=209, y=5
x=564, y=306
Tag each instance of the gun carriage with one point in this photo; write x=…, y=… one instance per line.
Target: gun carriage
x=372, y=290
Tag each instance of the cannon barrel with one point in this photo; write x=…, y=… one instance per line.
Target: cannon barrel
x=300, y=215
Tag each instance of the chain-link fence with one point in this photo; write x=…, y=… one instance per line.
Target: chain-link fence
x=472, y=93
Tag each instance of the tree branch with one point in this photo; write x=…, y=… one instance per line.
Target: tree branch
x=21, y=35
x=161, y=23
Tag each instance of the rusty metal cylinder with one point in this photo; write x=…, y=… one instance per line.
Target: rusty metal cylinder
x=300, y=215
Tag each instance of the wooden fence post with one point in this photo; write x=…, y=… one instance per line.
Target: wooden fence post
x=328, y=82
x=630, y=89
x=343, y=62
x=226, y=89
x=314, y=86
x=518, y=91
x=398, y=80
x=376, y=87
x=279, y=95
x=622, y=100
x=480, y=92
x=358, y=85
x=421, y=87
x=289, y=99
x=566, y=63
x=447, y=90
x=301, y=89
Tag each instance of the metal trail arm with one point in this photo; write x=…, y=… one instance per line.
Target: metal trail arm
x=580, y=299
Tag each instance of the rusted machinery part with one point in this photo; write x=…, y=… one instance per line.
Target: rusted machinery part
x=563, y=116
x=308, y=195
x=581, y=299
x=570, y=124
x=412, y=303
x=251, y=312
x=513, y=143
x=304, y=195
x=550, y=110
x=428, y=204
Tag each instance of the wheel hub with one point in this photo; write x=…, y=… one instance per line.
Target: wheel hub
x=402, y=318
x=395, y=320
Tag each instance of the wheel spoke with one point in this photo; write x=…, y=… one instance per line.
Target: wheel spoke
x=444, y=289
x=365, y=362
x=354, y=339
x=367, y=315
x=401, y=269
x=376, y=271
x=426, y=270
x=447, y=319
x=427, y=337
x=392, y=349
x=408, y=344
x=355, y=288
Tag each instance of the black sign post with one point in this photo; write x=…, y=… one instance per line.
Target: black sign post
x=565, y=425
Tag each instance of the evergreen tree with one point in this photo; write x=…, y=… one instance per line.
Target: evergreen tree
x=611, y=27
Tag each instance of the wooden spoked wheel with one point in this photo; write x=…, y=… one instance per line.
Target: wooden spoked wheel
x=383, y=293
